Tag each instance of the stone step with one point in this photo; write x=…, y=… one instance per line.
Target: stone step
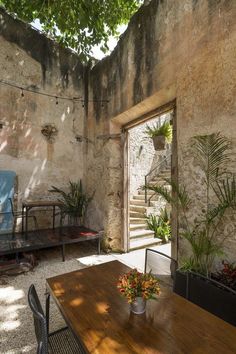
x=159, y=183
x=136, y=244
x=140, y=226
x=139, y=197
x=141, y=192
x=138, y=208
x=137, y=202
x=137, y=221
x=138, y=234
x=134, y=214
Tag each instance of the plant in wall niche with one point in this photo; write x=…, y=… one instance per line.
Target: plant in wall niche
x=50, y=132
x=160, y=225
x=160, y=134
x=212, y=154
x=74, y=201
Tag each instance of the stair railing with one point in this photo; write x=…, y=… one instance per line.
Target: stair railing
x=158, y=166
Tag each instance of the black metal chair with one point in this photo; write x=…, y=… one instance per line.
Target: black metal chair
x=58, y=342
x=161, y=265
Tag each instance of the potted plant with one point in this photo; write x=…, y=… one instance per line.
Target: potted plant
x=160, y=134
x=211, y=154
x=74, y=202
x=137, y=288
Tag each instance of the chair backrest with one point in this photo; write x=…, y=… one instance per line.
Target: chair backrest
x=7, y=183
x=40, y=324
x=160, y=264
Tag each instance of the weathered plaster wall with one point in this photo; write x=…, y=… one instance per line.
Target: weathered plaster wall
x=30, y=59
x=173, y=49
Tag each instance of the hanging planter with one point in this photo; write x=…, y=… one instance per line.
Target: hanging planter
x=49, y=132
x=161, y=135
x=159, y=142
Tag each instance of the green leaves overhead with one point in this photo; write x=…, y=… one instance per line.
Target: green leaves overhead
x=79, y=24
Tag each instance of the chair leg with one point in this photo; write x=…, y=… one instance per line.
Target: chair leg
x=47, y=310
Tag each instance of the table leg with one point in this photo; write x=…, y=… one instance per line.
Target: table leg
x=22, y=223
x=26, y=220
x=63, y=252
x=99, y=246
x=47, y=310
x=53, y=218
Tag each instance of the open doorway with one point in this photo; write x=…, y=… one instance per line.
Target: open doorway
x=148, y=217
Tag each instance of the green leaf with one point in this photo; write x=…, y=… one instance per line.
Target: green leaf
x=78, y=24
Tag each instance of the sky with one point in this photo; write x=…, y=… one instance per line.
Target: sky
x=96, y=52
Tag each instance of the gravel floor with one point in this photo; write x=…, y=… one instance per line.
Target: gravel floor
x=16, y=322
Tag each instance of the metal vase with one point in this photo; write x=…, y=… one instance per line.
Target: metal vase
x=138, y=306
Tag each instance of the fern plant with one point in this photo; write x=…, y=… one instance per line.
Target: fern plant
x=212, y=154
x=74, y=202
x=160, y=225
x=155, y=130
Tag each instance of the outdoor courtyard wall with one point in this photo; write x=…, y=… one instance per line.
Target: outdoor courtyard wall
x=29, y=59
x=182, y=50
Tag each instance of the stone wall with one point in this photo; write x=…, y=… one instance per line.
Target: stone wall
x=181, y=50
x=142, y=155
x=31, y=60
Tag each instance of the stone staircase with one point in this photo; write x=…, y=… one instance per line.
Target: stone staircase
x=140, y=236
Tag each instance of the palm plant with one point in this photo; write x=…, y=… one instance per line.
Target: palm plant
x=74, y=202
x=212, y=153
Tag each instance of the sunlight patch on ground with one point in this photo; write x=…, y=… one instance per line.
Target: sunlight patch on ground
x=26, y=349
x=9, y=295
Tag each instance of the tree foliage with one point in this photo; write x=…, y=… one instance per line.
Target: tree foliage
x=78, y=24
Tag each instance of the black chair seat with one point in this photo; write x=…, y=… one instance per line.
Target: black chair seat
x=63, y=341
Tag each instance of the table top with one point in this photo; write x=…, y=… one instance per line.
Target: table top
x=95, y=311
x=41, y=203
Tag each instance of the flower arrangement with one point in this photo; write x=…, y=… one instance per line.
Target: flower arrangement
x=135, y=284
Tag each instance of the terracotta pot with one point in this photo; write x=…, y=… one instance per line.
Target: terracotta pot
x=159, y=142
x=138, y=306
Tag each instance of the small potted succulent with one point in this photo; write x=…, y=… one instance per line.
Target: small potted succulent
x=137, y=288
x=160, y=134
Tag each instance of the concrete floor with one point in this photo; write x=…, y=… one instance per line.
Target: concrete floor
x=134, y=259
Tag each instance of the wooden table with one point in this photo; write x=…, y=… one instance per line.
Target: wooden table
x=94, y=310
x=27, y=205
